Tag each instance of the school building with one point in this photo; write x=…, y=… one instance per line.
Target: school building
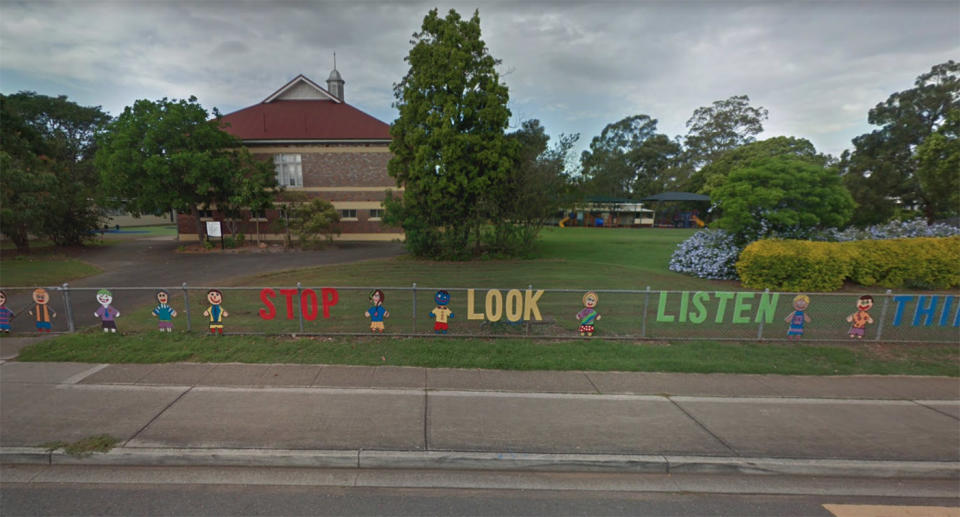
x=318, y=145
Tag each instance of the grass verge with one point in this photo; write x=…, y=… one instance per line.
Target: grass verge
x=85, y=446
x=508, y=354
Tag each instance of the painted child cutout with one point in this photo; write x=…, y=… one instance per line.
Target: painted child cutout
x=164, y=312
x=107, y=313
x=215, y=311
x=861, y=317
x=377, y=313
x=588, y=316
x=798, y=318
x=442, y=312
x=42, y=311
x=5, y=314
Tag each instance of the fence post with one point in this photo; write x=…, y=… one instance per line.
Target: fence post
x=526, y=324
x=646, y=303
x=883, y=314
x=186, y=304
x=760, y=329
x=300, y=302
x=414, y=307
x=66, y=303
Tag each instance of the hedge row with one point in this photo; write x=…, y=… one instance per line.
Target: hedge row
x=789, y=265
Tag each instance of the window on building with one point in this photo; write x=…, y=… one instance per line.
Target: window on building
x=289, y=169
x=348, y=213
x=376, y=213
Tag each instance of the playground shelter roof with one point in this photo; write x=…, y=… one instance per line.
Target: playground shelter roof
x=677, y=196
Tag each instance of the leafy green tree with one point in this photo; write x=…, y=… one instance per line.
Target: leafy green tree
x=50, y=184
x=716, y=172
x=169, y=155
x=313, y=220
x=784, y=197
x=629, y=159
x=938, y=168
x=725, y=125
x=539, y=186
x=450, y=151
x=881, y=172
x=26, y=180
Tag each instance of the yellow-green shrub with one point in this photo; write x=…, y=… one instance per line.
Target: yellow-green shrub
x=919, y=263
x=789, y=265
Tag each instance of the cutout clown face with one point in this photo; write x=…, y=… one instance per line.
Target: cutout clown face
x=3, y=298
x=442, y=298
x=162, y=297
x=215, y=297
x=104, y=297
x=865, y=303
x=41, y=296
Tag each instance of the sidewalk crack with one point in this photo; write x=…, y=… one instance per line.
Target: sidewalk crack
x=585, y=374
x=155, y=417
x=705, y=428
x=931, y=408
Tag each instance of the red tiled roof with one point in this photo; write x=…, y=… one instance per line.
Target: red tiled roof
x=304, y=120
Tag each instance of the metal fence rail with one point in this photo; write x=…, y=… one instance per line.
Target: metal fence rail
x=507, y=312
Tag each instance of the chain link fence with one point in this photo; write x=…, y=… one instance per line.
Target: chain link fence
x=506, y=312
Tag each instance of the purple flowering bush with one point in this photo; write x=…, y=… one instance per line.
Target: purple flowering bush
x=893, y=230
x=709, y=254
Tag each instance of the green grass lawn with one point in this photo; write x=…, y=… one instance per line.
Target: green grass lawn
x=508, y=354
x=44, y=269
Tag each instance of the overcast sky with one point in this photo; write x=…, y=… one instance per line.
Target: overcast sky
x=818, y=67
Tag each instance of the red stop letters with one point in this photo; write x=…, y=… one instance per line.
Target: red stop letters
x=308, y=302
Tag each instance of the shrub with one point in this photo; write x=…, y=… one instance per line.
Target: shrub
x=919, y=263
x=893, y=230
x=708, y=254
x=793, y=265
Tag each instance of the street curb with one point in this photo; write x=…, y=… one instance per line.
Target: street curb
x=502, y=461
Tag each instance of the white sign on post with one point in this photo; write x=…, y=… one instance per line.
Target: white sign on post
x=213, y=229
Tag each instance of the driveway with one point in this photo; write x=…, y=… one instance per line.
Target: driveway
x=155, y=262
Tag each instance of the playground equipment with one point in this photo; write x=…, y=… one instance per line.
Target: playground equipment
x=698, y=221
x=564, y=221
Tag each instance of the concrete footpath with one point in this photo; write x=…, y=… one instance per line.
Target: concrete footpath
x=392, y=417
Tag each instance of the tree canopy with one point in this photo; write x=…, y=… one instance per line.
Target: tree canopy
x=450, y=151
x=881, y=172
x=720, y=127
x=629, y=159
x=169, y=155
x=49, y=182
x=783, y=197
x=715, y=173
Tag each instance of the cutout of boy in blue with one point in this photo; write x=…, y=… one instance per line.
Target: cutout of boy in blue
x=798, y=318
